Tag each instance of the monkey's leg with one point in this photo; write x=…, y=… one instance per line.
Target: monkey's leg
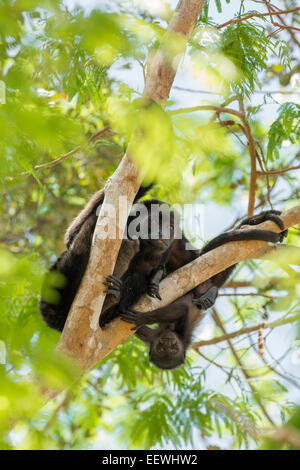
x=157, y=275
x=251, y=234
x=108, y=315
x=153, y=287
x=208, y=299
x=242, y=235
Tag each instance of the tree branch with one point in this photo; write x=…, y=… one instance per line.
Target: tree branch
x=246, y=331
x=258, y=15
x=68, y=154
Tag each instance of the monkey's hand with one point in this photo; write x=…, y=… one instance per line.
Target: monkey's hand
x=153, y=290
x=135, y=317
x=114, y=285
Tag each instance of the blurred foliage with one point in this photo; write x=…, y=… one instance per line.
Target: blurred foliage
x=59, y=70
x=285, y=128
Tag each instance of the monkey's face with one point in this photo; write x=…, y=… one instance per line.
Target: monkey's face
x=161, y=230
x=167, y=351
x=156, y=226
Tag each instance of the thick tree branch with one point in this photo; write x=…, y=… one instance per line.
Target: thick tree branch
x=81, y=335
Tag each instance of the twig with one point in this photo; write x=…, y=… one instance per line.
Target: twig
x=66, y=155
x=260, y=92
x=257, y=15
x=278, y=172
x=219, y=109
x=246, y=331
x=250, y=294
x=252, y=152
x=241, y=366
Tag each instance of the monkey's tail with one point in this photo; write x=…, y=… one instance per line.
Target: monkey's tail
x=237, y=235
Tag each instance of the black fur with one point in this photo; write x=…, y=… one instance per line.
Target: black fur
x=56, y=301
x=151, y=257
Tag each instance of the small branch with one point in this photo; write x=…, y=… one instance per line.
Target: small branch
x=257, y=15
x=278, y=172
x=249, y=294
x=219, y=109
x=272, y=8
x=60, y=159
x=252, y=152
x=246, y=331
x=260, y=92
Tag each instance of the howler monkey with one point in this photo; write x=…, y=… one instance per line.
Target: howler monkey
x=157, y=258
x=63, y=279
x=156, y=236
x=176, y=322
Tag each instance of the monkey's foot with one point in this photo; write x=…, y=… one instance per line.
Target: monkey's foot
x=203, y=303
x=153, y=290
x=282, y=235
x=107, y=316
x=206, y=300
x=135, y=317
x=114, y=284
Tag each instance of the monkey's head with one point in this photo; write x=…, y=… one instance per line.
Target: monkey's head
x=156, y=225
x=167, y=350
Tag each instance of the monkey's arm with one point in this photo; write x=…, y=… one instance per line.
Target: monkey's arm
x=145, y=334
x=167, y=314
x=131, y=287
